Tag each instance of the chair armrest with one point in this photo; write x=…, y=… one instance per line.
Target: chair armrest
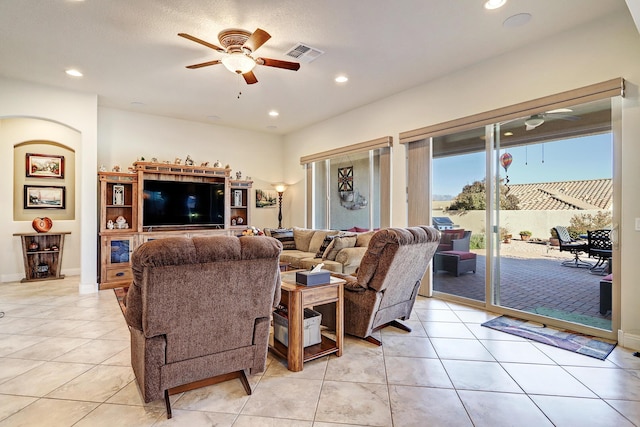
x=351, y=282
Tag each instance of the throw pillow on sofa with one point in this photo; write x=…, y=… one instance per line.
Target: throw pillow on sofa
x=302, y=238
x=318, y=239
x=284, y=235
x=339, y=242
x=325, y=244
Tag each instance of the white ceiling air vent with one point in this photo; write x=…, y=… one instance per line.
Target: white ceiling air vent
x=303, y=53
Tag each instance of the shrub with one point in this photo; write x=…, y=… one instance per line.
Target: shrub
x=477, y=241
x=581, y=223
x=526, y=233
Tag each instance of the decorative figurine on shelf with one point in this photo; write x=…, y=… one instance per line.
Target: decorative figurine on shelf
x=204, y=164
x=248, y=178
x=233, y=221
x=240, y=220
x=188, y=161
x=103, y=168
x=217, y=164
x=177, y=161
x=227, y=167
x=115, y=168
x=110, y=225
x=238, y=175
x=33, y=246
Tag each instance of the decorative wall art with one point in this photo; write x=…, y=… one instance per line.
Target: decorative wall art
x=44, y=166
x=345, y=179
x=266, y=198
x=118, y=195
x=43, y=197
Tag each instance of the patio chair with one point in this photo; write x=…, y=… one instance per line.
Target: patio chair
x=576, y=247
x=599, y=246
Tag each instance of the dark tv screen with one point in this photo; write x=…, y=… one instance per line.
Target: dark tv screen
x=183, y=203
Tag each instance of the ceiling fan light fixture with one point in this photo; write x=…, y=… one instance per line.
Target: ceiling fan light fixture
x=534, y=121
x=238, y=63
x=494, y=4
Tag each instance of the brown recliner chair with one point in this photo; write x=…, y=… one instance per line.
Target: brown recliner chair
x=387, y=282
x=199, y=309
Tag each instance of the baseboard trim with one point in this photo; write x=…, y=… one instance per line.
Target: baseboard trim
x=629, y=340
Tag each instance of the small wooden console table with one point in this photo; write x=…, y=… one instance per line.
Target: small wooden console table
x=297, y=298
x=42, y=255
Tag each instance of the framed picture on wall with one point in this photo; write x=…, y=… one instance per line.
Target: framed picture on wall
x=345, y=179
x=44, y=166
x=43, y=197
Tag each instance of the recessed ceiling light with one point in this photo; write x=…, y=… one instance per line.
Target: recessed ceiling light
x=342, y=79
x=73, y=72
x=517, y=20
x=508, y=134
x=494, y=4
x=274, y=113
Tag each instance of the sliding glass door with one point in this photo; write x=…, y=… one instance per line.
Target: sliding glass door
x=512, y=185
x=552, y=185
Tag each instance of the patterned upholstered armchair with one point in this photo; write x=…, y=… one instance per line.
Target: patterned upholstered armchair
x=199, y=309
x=387, y=282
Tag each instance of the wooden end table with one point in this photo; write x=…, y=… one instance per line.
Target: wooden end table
x=297, y=298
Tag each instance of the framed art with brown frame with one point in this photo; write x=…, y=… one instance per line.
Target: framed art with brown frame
x=44, y=197
x=44, y=166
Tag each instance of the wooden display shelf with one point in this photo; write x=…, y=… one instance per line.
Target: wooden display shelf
x=45, y=262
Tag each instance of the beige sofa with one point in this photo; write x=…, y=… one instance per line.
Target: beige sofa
x=340, y=251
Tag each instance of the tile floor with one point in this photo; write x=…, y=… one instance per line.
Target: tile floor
x=64, y=361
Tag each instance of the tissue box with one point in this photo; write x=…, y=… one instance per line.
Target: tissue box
x=307, y=278
x=311, y=328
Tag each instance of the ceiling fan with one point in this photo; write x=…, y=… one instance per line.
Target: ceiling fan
x=538, y=119
x=238, y=45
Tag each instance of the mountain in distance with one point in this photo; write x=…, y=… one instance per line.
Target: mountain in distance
x=442, y=197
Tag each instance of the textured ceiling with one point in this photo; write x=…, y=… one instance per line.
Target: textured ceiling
x=130, y=53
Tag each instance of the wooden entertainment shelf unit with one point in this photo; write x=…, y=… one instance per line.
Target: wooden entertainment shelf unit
x=122, y=195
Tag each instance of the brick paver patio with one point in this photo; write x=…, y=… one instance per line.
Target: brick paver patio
x=534, y=280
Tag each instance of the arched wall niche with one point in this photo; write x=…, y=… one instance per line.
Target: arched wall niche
x=22, y=135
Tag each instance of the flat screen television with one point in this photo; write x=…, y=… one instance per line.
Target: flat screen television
x=179, y=203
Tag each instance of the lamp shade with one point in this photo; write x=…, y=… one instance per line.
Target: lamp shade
x=280, y=188
x=238, y=63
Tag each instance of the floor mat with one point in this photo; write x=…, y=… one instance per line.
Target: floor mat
x=567, y=340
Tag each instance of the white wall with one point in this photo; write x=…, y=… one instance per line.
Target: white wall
x=126, y=136
x=593, y=53
x=73, y=110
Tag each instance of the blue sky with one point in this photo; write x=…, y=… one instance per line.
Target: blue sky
x=588, y=157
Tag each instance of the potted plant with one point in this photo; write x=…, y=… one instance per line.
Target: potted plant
x=505, y=236
x=554, y=240
x=525, y=235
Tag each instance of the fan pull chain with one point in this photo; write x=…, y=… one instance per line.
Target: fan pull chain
x=526, y=155
x=542, y=153
x=239, y=91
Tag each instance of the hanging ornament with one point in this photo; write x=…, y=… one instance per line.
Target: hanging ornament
x=505, y=162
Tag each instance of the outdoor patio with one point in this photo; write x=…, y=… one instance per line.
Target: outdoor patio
x=533, y=280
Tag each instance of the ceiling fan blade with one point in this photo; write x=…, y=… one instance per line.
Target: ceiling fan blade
x=278, y=64
x=257, y=39
x=250, y=78
x=564, y=117
x=204, y=64
x=202, y=42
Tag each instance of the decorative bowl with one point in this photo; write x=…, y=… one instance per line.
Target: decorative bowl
x=42, y=225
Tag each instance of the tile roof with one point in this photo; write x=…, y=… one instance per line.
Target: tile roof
x=593, y=194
